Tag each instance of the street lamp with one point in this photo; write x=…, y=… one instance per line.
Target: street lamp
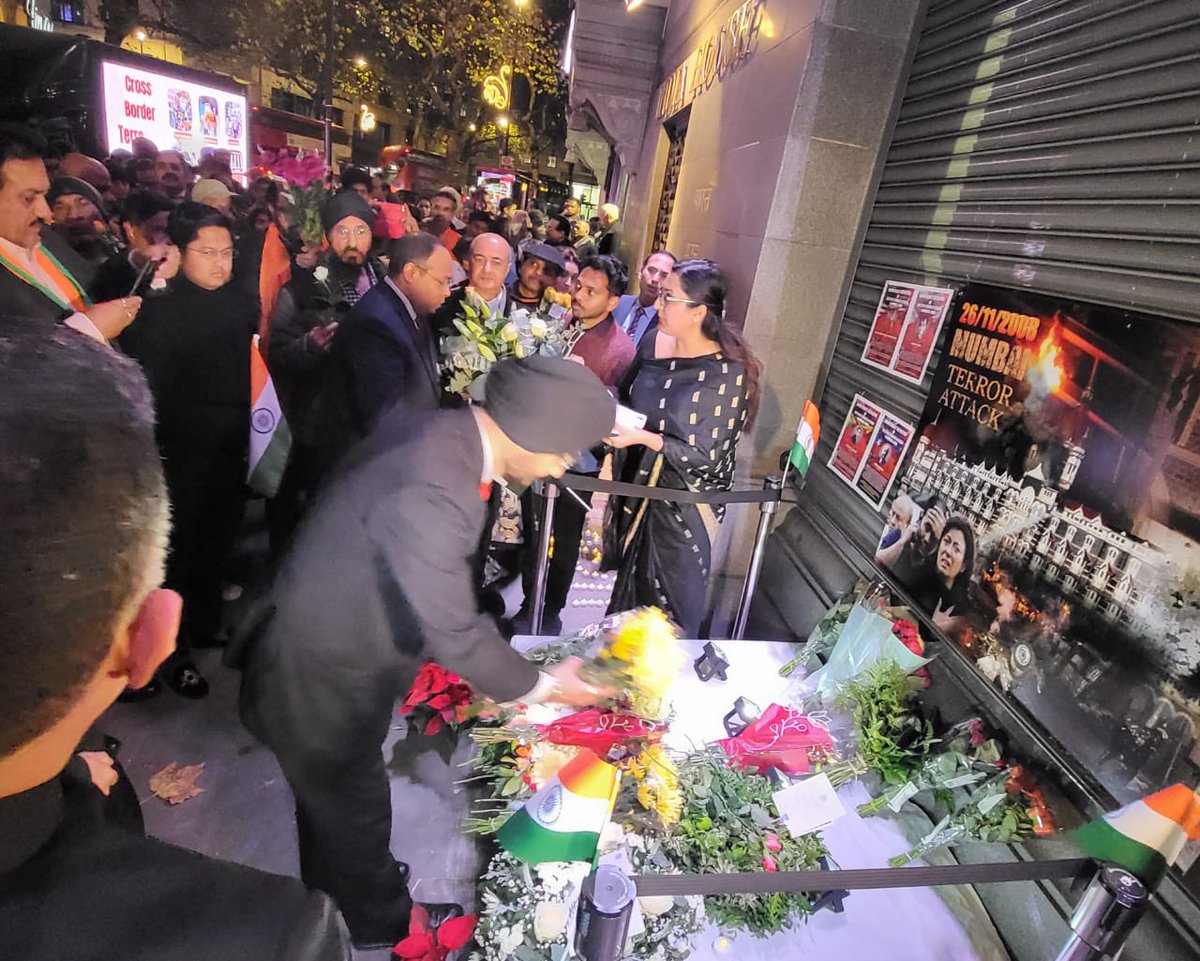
x=502, y=123
x=140, y=36
x=360, y=62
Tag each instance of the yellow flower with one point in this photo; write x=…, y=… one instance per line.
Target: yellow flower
x=509, y=332
x=486, y=351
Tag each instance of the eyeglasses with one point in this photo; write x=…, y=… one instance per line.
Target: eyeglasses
x=668, y=299
x=213, y=253
x=446, y=282
x=341, y=233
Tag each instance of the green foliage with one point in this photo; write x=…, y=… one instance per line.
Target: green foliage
x=728, y=820
x=891, y=738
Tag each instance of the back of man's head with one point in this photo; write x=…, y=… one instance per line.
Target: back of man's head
x=19, y=142
x=84, y=514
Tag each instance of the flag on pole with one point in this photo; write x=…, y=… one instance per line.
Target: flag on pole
x=1145, y=837
x=270, y=437
x=807, y=435
x=563, y=821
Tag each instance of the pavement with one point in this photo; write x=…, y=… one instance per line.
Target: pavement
x=246, y=814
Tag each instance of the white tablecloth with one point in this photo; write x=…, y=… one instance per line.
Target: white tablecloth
x=900, y=924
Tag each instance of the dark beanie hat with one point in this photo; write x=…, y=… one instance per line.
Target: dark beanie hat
x=548, y=405
x=343, y=205
x=64, y=186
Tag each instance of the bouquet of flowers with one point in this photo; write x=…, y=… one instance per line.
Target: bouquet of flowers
x=438, y=698
x=730, y=823
x=305, y=176
x=641, y=657
x=484, y=337
x=518, y=758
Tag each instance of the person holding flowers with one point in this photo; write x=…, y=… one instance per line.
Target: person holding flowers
x=699, y=391
x=606, y=350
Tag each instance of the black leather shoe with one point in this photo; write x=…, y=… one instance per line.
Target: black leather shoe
x=131, y=695
x=187, y=682
x=440, y=912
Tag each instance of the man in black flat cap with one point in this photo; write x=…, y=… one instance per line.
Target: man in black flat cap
x=380, y=580
x=540, y=267
x=306, y=317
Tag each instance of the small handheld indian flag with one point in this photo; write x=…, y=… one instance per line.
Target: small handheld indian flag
x=270, y=437
x=807, y=435
x=563, y=821
x=1145, y=837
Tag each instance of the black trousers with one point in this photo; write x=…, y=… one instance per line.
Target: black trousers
x=344, y=827
x=569, y=519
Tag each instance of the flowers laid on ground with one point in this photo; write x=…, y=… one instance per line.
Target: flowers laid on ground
x=437, y=698
x=730, y=824
x=485, y=336
x=708, y=811
x=305, y=176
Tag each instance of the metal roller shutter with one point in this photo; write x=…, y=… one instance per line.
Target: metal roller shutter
x=1052, y=145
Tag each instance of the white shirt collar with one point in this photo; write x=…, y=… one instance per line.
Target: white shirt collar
x=404, y=300
x=489, y=461
x=496, y=304
x=17, y=252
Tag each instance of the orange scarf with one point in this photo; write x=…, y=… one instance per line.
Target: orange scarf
x=61, y=287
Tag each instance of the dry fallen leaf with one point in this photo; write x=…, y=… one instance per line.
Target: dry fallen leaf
x=175, y=784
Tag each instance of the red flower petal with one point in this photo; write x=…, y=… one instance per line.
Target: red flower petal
x=456, y=932
x=435, y=724
x=417, y=947
x=439, y=701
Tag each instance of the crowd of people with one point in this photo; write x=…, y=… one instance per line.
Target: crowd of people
x=162, y=284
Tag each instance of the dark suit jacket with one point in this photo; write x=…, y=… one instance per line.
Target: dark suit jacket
x=442, y=320
x=75, y=886
x=380, y=358
x=379, y=579
x=24, y=300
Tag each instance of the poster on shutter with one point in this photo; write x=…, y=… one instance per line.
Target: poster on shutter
x=921, y=330
x=894, y=304
x=886, y=450
x=854, y=439
x=1047, y=516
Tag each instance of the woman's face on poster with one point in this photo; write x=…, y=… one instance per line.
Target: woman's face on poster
x=952, y=550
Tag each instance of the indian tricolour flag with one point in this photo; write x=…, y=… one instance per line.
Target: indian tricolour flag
x=270, y=437
x=1145, y=837
x=563, y=821
x=807, y=435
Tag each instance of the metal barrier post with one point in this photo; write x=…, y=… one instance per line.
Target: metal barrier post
x=550, y=493
x=1110, y=907
x=767, y=510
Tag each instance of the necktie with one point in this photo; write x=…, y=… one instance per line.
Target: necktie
x=635, y=325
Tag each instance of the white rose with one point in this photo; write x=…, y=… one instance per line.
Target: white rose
x=538, y=328
x=321, y=274
x=549, y=921
x=656, y=904
x=612, y=837
x=509, y=332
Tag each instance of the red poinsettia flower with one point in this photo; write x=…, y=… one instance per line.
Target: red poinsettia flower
x=425, y=945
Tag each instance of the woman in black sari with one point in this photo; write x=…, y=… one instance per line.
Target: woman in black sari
x=697, y=384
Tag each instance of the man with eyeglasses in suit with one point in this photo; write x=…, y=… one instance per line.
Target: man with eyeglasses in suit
x=306, y=318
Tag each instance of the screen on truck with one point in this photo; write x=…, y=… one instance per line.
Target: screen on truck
x=174, y=114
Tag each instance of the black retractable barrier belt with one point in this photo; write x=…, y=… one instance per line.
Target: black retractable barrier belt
x=580, y=483
x=861, y=879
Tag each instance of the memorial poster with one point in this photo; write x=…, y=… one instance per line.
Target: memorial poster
x=888, y=324
x=882, y=463
x=852, y=442
x=1047, y=517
